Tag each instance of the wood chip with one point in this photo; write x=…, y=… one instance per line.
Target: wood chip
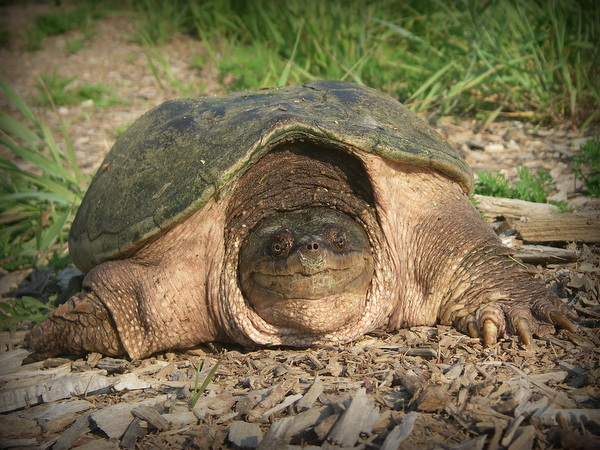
x=181, y=418
x=308, y=419
x=309, y=398
x=432, y=398
x=524, y=440
x=79, y=428
x=130, y=382
x=56, y=417
x=244, y=434
x=18, y=427
x=133, y=432
x=360, y=416
x=112, y=365
x=151, y=415
x=400, y=432
x=114, y=420
x=287, y=401
x=543, y=254
x=53, y=389
x=276, y=437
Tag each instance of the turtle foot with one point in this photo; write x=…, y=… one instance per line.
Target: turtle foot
x=81, y=325
x=524, y=318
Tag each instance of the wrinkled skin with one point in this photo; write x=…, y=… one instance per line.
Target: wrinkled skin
x=317, y=258
x=431, y=259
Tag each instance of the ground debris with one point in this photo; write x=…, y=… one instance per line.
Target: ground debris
x=465, y=397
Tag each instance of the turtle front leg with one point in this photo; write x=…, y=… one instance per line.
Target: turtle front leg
x=81, y=325
x=498, y=297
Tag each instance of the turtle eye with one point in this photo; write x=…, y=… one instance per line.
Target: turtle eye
x=337, y=238
x=281, y=243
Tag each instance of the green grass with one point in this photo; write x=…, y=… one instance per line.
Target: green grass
x=56, y=90
x=72, y=46
x=21, y=309
x=587, y=165
x=199, y=389
x=60, y=22
x=37, y=203
x=531, y=187
x=534, y=60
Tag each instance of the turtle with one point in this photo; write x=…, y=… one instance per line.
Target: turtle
x=296, y=216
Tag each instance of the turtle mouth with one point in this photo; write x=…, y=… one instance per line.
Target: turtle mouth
x=312, y=304
x=309, y=286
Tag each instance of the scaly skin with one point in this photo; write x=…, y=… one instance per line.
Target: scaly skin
x=82, y=324
x=435, y=261
x=451, y=267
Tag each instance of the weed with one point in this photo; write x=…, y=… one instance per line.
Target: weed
x=529, y=187
x=56, y=90
x=4, y=37
x=56, y=23
x=532, y=60
x=587, y=165
x=199, y=390
x=14, y=311
x=37, y=197
x=74, y=45
x=532, y=187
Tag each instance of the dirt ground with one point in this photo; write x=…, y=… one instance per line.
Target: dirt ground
x=427, y=387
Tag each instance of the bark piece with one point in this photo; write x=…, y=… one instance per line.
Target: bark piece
x=79, y=428
x=287, y=401
x=181, y=419
x=276, y=437
x=579, y=227
x=15, y=427
x=511, y=207
x=432, y=398
x=50, y=388
x=56, y=417
x=524, y=439
x=131, y=382
x=151, y=415
x=113, y=365
x=114, y=420
x=244, y=434
x=311, y=395
x=543, y=254
x=10, y=361
x=360, y=416
x=133, y=432
x=400, y=432
x=308, y=419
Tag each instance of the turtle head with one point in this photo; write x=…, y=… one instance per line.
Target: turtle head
x=309, y=270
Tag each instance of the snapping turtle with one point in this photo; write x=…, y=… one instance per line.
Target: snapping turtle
x=294, y=216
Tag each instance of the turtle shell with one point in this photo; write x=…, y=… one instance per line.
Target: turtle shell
x=173, y=159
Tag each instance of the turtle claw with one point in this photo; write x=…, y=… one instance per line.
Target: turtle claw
x=522, y=318
x=562, y=321
x=524, y=330
x=472, y=328
x=490, y=333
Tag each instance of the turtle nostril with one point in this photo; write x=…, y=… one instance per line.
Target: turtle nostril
x=312, y=246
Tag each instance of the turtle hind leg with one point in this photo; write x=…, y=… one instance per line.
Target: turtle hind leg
x=81, y=325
